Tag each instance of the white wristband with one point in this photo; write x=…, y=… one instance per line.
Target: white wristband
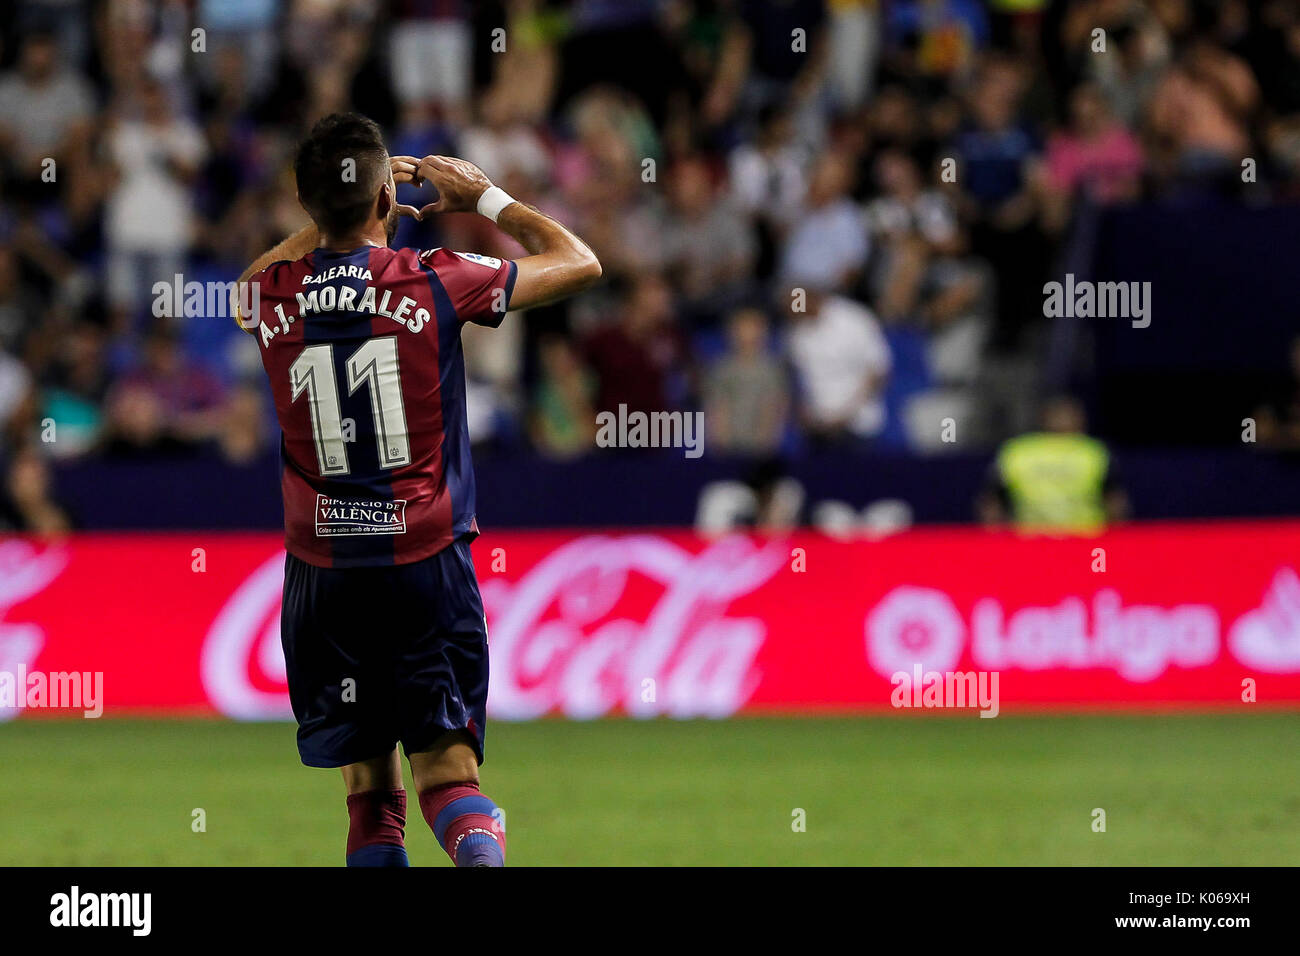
x=493, y=200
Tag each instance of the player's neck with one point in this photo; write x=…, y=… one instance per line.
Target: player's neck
x=368, y=236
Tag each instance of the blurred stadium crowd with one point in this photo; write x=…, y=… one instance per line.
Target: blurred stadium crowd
x=821, y=223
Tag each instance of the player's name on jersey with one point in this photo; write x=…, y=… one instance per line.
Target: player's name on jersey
x=346, y=299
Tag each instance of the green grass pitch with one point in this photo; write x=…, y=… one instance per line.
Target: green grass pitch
x=1177, y=790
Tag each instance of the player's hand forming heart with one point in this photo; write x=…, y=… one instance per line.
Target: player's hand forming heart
x=459, y=183
x=406, y=170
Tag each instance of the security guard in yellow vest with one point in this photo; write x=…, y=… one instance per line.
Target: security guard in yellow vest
x=1058, y=480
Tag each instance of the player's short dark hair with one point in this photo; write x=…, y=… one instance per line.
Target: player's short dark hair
x=337, y=195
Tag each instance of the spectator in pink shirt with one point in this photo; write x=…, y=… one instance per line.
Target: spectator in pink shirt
x=1096, y=156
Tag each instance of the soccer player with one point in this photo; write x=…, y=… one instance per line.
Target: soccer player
x=382, y=624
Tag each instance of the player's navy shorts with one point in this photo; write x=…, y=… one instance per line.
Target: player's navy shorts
x=410, y=639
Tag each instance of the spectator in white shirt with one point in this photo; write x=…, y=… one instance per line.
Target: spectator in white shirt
x=769, y=177
x=842, y=361
x=149, y=219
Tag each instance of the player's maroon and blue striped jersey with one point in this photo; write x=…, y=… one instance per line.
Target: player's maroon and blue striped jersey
x=364, y=356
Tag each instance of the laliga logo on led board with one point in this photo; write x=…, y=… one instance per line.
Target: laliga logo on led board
x=1139, y=642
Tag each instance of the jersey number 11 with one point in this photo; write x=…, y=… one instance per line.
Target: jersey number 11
x=373, y=364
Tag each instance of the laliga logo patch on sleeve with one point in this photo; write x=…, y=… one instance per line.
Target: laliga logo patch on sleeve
x=488, y=261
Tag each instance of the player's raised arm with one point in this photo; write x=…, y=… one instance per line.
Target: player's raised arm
x=559, y=265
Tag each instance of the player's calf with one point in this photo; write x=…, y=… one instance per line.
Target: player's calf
x=376, y=812
x=376, y=828
x=466, y=823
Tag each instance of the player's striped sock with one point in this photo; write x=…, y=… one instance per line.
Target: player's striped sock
x=377, y=820
x=465, y=823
